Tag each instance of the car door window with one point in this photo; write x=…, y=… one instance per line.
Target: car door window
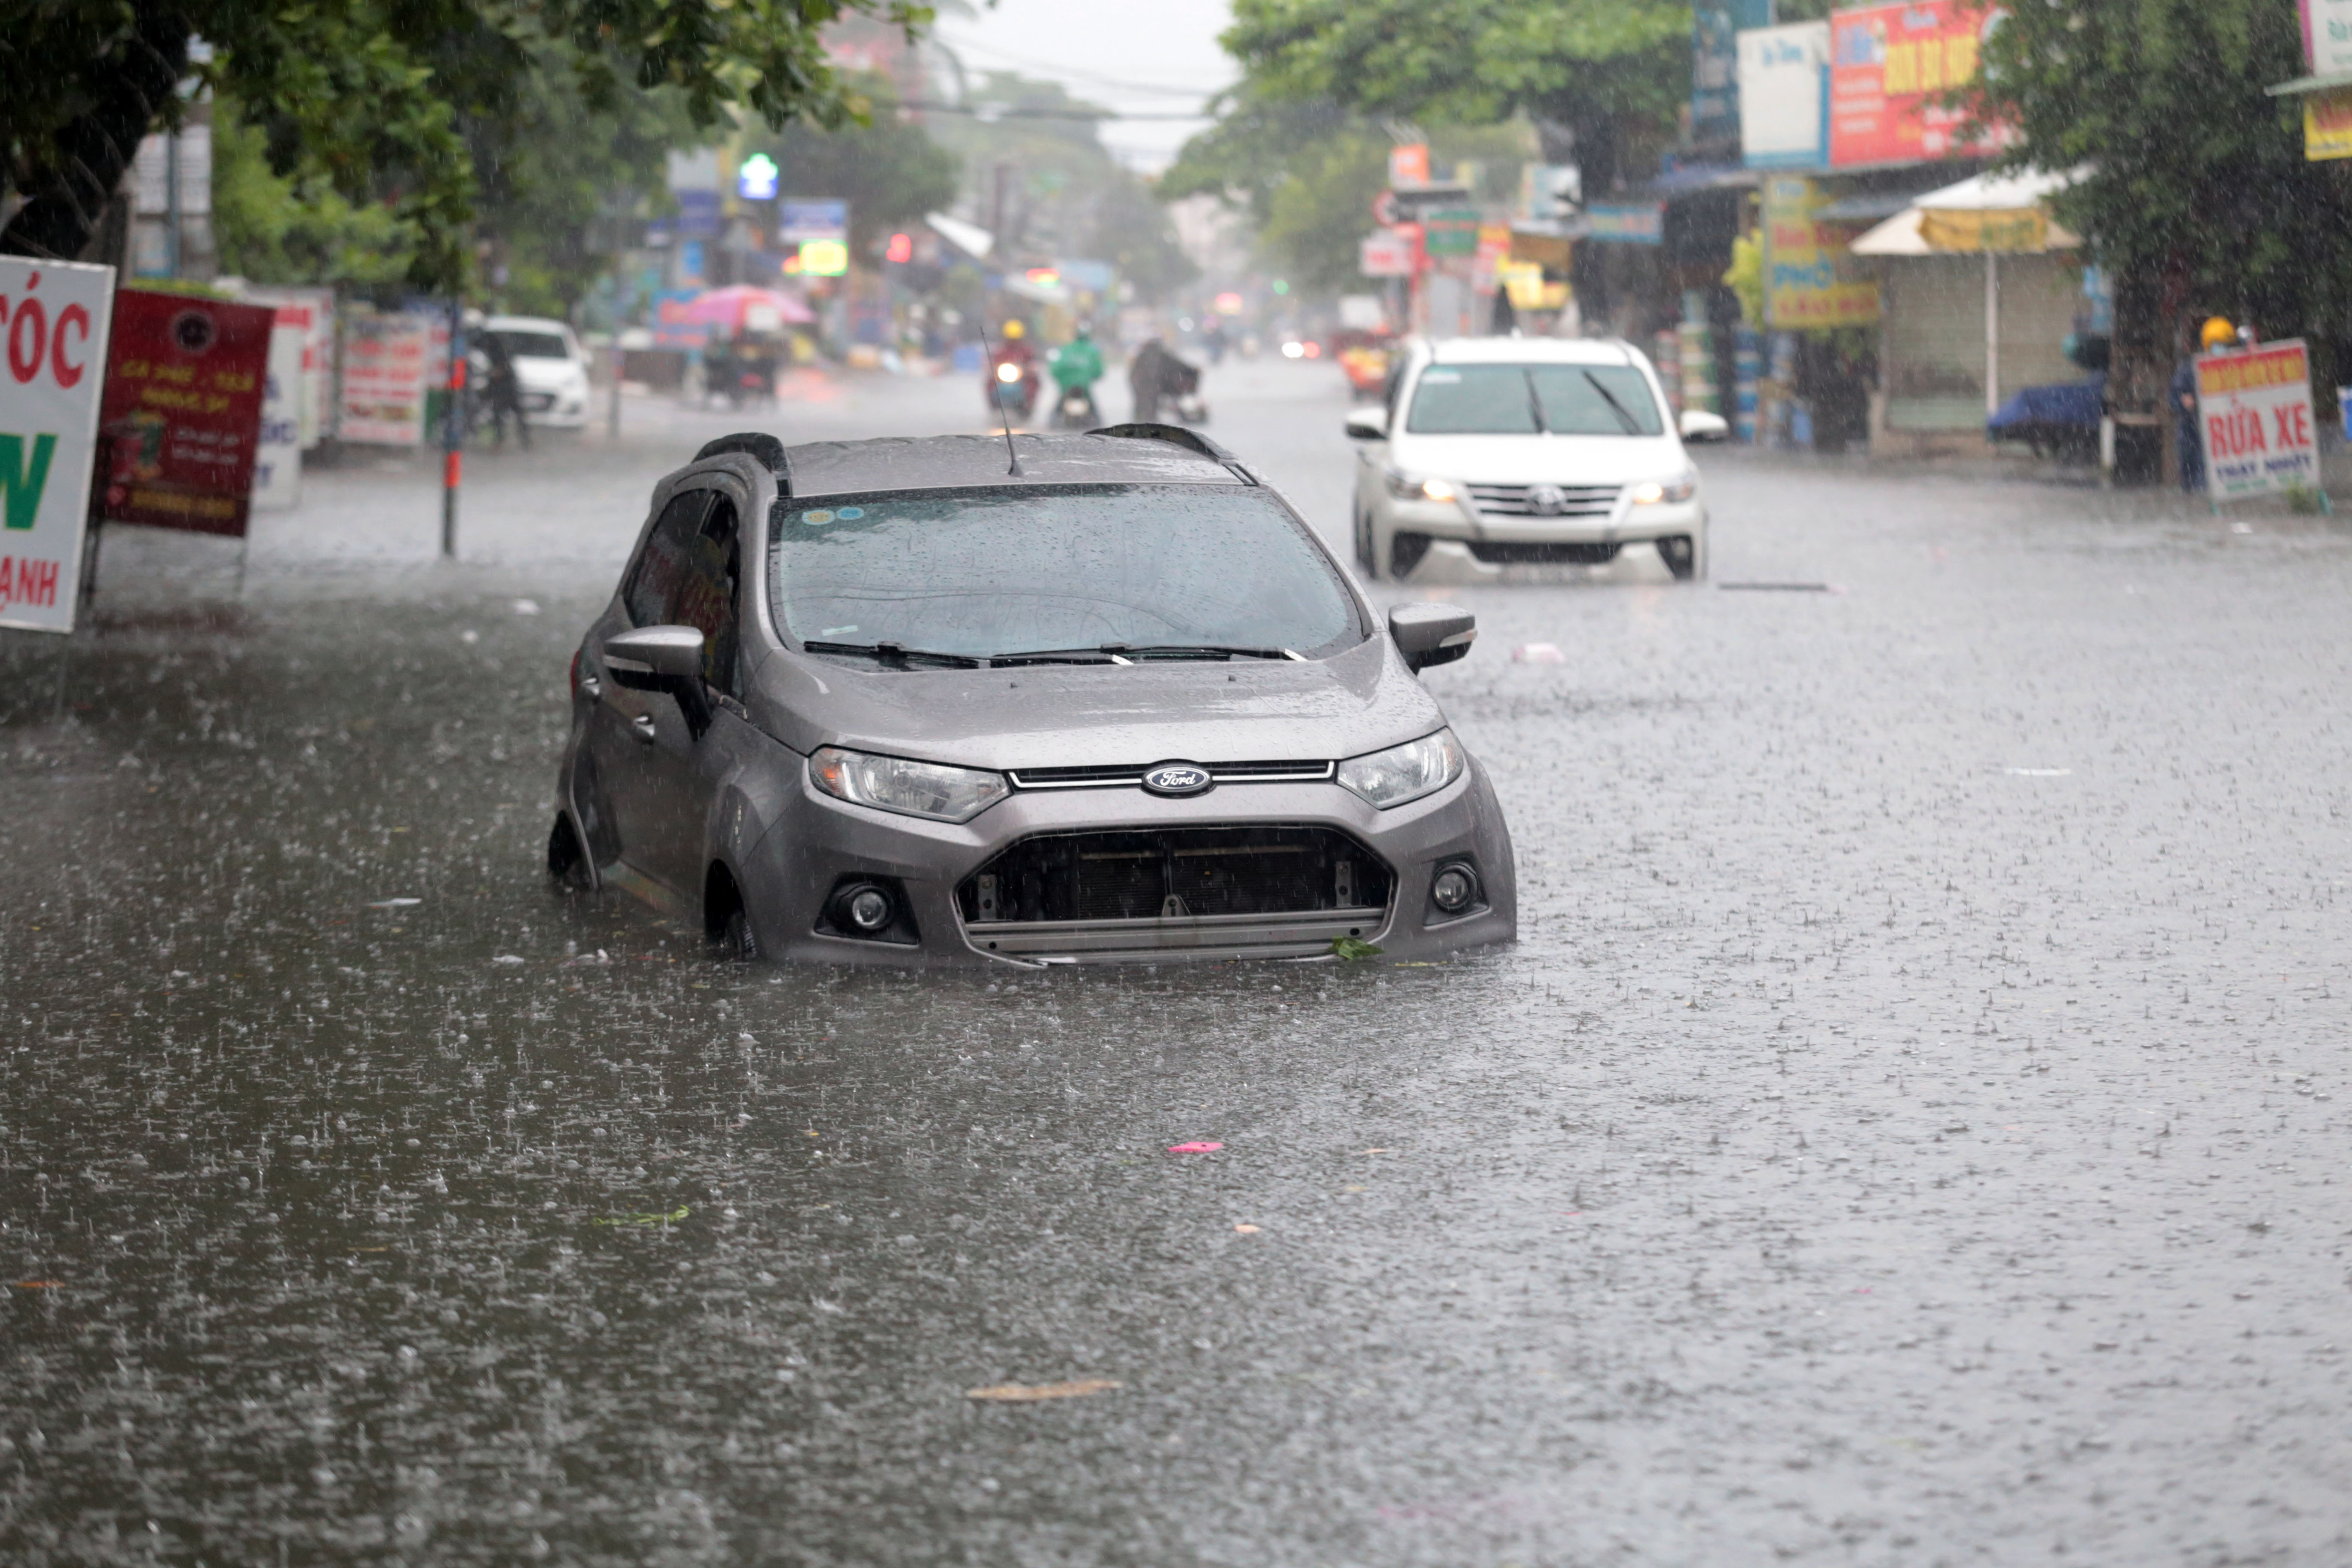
x=687, y=577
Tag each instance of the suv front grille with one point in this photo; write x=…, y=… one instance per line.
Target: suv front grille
x=1236, y=889
x=1130, y=775
x=1575, y=500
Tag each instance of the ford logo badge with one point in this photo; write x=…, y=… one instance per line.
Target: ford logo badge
x=1178, y=778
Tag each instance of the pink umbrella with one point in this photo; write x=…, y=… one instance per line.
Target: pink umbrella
x=743, y=306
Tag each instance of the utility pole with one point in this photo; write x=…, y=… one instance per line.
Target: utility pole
x=452, y=428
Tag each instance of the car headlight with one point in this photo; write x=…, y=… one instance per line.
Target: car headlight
x=910, y=788
x=1404, y=772
x=1655, y=491
x=1412, y=487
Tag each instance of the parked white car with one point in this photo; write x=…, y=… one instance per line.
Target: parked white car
x=1495, y=452
x=551, y=365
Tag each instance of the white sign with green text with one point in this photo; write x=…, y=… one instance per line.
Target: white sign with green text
x=53, y=322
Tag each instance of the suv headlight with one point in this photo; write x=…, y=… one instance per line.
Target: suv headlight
x=1412, y=487
x=1404, y=772
x=1655, y=491
x=909, y=789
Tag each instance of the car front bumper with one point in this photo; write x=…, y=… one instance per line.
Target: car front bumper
x=817, y=844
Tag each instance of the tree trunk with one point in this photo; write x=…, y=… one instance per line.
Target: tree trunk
x=67, y=193
x=2139, y=370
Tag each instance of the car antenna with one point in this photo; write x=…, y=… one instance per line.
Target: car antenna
x=1002, y=412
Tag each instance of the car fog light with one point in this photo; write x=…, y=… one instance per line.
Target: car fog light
x=864, y=906
x=1454, y=889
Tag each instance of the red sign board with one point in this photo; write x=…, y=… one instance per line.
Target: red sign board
x=185, y=378
x=1890, y=67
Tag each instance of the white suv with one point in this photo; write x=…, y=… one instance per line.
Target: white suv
x=1495, y=452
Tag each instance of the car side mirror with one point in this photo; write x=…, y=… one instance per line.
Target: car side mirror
x=1698, y=424
x=662, y=658
x=1368, y=425
x=1432, y=634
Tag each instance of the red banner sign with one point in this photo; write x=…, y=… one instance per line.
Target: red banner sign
x=1890, y=67
x=183, y=386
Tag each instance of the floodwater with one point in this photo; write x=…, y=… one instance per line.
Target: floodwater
x=1911, y=1128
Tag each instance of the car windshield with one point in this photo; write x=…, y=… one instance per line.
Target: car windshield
x=986, y=573
x=1533, y=399
x=533, y=345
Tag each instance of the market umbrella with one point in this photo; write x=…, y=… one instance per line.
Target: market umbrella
x=742, y=307
x=1992, y=216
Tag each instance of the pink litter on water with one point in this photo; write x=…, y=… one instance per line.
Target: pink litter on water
x=1194, y=1148
x=1538, y=653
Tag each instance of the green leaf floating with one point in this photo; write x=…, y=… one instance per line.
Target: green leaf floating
x=1350, y=950
x=674, y=1214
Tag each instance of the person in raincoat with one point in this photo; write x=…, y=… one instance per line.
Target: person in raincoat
x=1077, y=366
x=2218, y=335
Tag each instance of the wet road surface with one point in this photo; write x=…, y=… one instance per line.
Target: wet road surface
x=1911, y=1128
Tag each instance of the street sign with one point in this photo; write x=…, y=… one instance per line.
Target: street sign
x=2254, y=406
x=54, y=319
x=1450, y=232
x=810, y=217
x=182, y=410
x=1385, y=254
x=1808, y=280
x=1626, y=223
x=755, y=178
x=1890, y=67
x=1384, y=209
x=1408, y=165
x=277, y=465
x=383, y=380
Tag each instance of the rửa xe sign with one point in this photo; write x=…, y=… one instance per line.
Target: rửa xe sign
x=53, y=325
x=2254, y=406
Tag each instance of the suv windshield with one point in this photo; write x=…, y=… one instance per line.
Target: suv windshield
x=1533, y=399
x=985, y=573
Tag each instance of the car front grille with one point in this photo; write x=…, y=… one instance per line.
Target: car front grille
x=1575, y=500
x=1258, y=888
x=1531, y=553
x=1130, y=775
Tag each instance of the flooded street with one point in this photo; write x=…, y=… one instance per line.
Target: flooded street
x=1906, y=1131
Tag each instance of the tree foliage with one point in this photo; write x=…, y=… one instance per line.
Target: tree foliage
x=2192, y=180
x=389, y=101
x=1613, y=73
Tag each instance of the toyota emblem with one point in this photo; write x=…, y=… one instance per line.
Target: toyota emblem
x=1178, y=779
x=1545, y=501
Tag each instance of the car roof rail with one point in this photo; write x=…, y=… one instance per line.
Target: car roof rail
x=753, y=444
x=1180, y=435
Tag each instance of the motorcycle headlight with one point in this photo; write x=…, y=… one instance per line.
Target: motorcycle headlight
x=1656, y=490
x=1404, y=772
x=1008, y=373
x=909, y=789
x=1412, y=487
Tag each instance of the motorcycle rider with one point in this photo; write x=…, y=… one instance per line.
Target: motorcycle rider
x=1013, y=348
x=1078, y=365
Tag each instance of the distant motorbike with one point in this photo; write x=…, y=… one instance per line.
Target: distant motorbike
x=1012, y=387
x=1191, y=409
x=1075, y=410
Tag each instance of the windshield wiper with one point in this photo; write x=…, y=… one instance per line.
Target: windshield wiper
x=893, y=653
x=1624, y=415
x=1207, y=650
x=1130, y=653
